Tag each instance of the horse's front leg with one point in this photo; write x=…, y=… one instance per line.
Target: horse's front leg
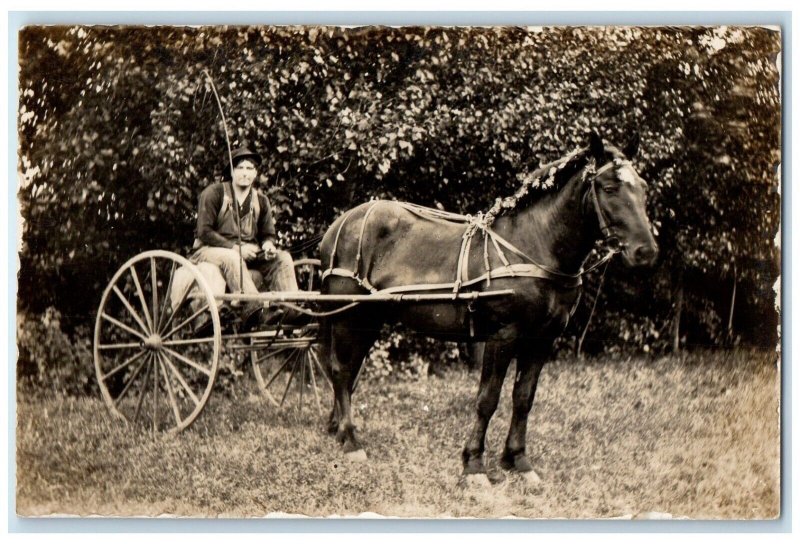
x=497, y=355
x=529, y=367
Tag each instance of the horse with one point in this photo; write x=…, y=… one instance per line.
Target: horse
x=534, y=243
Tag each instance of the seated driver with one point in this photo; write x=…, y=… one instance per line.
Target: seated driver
x=220, y=235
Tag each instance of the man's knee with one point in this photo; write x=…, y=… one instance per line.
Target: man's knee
x=228, y=258
x=284, y=257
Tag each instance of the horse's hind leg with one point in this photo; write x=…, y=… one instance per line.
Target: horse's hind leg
x=326, y=355
x=348, y=347
x=529, y=366
x=341, y=376
x=333, y=419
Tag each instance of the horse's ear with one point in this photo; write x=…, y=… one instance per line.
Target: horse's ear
x=633, y=146
x=596, y=146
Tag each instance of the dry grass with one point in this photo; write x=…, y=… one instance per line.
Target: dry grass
x=696, y=437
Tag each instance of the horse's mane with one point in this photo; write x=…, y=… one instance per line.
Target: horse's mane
x=546, y=179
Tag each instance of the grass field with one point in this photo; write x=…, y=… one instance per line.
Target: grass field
x=695, y=437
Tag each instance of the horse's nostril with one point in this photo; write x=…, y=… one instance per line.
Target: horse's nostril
x=645, y=254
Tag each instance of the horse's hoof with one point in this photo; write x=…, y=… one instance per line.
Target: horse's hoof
x=530, y=479
x=477, y=481
x=517, y=463
x=356, y=456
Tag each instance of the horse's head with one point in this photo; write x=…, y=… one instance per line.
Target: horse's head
x=618, y=195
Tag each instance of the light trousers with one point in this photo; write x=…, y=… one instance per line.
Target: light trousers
x=278, y=272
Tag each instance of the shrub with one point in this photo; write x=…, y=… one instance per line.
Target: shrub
x=50, y=359
x=399, y=354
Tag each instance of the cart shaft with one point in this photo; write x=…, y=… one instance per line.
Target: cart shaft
x=315, y=296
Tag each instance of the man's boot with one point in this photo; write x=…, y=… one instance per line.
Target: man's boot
x=285, y=317
x=249, y=316
x=205, y=325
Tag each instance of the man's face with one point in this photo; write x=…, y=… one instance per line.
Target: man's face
x=244, y=174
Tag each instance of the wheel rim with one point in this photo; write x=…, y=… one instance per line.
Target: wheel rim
x=151, y=367
x=286, y=364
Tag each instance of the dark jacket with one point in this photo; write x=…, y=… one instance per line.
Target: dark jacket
x=210, y=232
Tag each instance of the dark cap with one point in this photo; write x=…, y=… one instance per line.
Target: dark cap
x=245, y=152
x=237, y=155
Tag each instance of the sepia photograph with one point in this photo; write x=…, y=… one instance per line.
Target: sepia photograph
x=422, y=272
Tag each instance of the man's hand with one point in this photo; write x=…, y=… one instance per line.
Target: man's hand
x=269, y=250
x=249, y=251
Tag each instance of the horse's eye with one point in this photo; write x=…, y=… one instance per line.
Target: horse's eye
x=610, y=189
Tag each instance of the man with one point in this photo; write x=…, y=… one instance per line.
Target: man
x=235, y=229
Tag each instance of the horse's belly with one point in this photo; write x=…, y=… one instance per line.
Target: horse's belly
x=435, y=319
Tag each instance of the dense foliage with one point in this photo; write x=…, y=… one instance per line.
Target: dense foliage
x=119, y=132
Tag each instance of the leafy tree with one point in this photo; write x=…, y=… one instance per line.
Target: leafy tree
x=119, y=133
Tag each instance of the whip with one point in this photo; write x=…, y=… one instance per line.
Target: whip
x=230, y=162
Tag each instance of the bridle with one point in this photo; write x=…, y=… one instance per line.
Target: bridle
x=610, y=238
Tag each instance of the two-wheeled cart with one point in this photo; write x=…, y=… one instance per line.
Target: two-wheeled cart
x=154, y=369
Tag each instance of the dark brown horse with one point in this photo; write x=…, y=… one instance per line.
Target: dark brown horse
x=535, y=245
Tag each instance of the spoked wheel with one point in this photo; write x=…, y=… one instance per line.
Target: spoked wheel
x=154, y=365
x=289, y=371
x=285, y=360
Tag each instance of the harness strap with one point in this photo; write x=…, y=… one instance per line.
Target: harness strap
x=345, y=273
x=530, y=269
x=601, y=216
x=615, y=163
x=342, y=272
x=364, y=282
x=463, y=257
x=519, y=270
x=554, y=274
x=338, y=233
x=497, y=249
x=433, y=212
x=486, y=255
x=361, y=234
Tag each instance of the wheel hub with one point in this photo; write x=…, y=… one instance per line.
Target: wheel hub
x=153, y=342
